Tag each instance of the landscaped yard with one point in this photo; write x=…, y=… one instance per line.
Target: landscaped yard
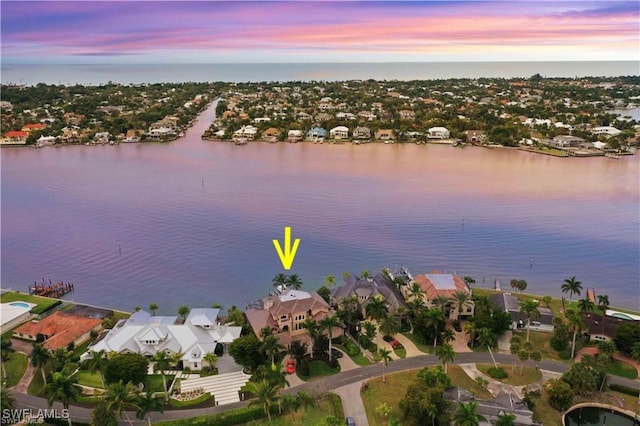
x=541, y=342
x=313, y=416
x=417, y=340
x=154, y=382
x=354, y=353
x=529, y=375
x=395, y=388
x=86, y=378
x=623, y=369
x=44, y=303
x=15, y=367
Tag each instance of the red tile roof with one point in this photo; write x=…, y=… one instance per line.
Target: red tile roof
x=431, y=291
x=60, y=328
x=33, y=126
x=16, y=134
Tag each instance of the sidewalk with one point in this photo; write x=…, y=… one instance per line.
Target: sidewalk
x=26, y=378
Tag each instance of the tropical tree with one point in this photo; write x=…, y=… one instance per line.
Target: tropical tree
x=575, y=325
x=211, y=358
x=369, y=330
x=470, y=329
x=529, y=307
x=147, y=402
x=271, y=346
x=445, y=354
x=266, y=395
x=385, y=355
x=62, y=388
x=161, y=363
x=98, y=362
x=183, y=311
x=294, y=281
x=506, y=419
x=118, y=397
x=441, y=302
x=535, y=356
x=280, y=280
x=467, y=415
x=101, y=416
x=635, y=352
x=415, y=291
x=328, y=324
x=330, y=281
x=547, y=301
x=571, y=286
x=389, y=325
x=376, y=308
x=365, y=274
x=298, y=350
x=7, y=400
x=486, y=337
x=153, y=307
x=434, y=319
x=603, y=305
x=585, y=305
x=461, y=300
x=39, y=358
x=514, y=349
x=523, y=355
x=607, y=348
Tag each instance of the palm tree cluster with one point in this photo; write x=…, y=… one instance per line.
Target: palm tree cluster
x=287, y=281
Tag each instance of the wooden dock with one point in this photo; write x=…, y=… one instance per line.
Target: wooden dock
x=56, y=290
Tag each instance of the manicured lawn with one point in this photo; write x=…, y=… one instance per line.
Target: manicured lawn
x=541, y=342
x=183, y=404
x=313, y=416
x=417, y=340
x=623, y=369
x=154, y=382
x=529, y=375
x=460, y=378
x=357, y=356
x=401, y=352
x=395, y=389
x=36, y=387
x=15, y=367
x=86, y=378
x=44, y=303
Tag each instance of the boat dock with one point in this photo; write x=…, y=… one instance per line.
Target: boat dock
x=58, y=289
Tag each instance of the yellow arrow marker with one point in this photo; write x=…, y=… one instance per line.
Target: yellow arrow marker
x=286, y=256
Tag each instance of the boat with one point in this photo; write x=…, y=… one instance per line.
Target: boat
x=241, y=142
x=614, y=156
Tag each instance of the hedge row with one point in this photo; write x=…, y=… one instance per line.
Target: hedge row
x=623, y=389
x=228, y=418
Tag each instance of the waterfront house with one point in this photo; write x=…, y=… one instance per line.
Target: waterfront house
x=285, y=312
x=510, y=304
x=15, y=137
x=567, y=141
x=13, y=314
x=384, y=134
x=59, y=329
x=363, y=289
x=436, y=284
x=246, y=132
x=271, y=134
x=339, y=132
x=45, y=141
x=438, y=133
x=294, y=136
x=475, y=136
x=607, y=131
x=362, y=132
x=316, y=134
x=147, y=335
x=33, y=127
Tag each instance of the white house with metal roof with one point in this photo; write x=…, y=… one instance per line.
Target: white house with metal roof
x=147, y=335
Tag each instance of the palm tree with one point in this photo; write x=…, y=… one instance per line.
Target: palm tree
x=506, y=419
x=575, y=325
x=183, y=311
x=266, y=395
x=603, y=305
x=328, y=324
x=415, y=291
x=7, y=400
x=153, y=307
x=385, y=355
x=461, y=301
x=147, y=403
x=514, y=349
x=486, y=337
x=571, y=286
x=161, y=363
x=211, y=359
x=529, y=307
x=313, y=328
x=535, y=356
x=98, y=362
x=389, y=325
x=434, y=318
x=441, y=302
x=294, y=281
x=585, y=305
x=279, y=280
x=467, y=415
x=330, y=281
x=365, y=274
x=523, y=355
x=119, y=397
x=62, y=388
x=271, y=346
x=470, y=329
x=635, y=352
x=376, y=308
x=39, y=358
x=445, y=354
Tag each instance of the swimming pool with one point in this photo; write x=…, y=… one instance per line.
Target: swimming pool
x=20, y=305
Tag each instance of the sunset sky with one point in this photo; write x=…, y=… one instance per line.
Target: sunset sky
x=317, y=31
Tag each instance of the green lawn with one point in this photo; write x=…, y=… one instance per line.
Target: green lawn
x=541, y=342
x=86, y=378
x=44, y=303
x=154, y=382
x=401, y=352
x=184, y=404
x=529, y=375
x=623, y=369
x=15, y=367
x=355, y=355
x=312, y=416
x=395, y=389
x=36, y=387
x=417, y=340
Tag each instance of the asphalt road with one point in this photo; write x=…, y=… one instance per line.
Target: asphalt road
x=320, y=385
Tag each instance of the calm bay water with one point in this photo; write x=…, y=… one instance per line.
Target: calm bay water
x=486, y=213
x=158, y=73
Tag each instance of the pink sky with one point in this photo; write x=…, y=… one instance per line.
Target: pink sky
x=318, y=31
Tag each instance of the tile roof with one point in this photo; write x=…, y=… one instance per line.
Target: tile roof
x=437, y=284
x=61, y=328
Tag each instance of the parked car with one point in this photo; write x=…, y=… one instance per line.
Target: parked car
x=291, y=366
x=350, y=421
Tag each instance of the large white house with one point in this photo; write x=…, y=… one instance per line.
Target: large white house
x=339, y=132
x=438, y=133
x=147, y=335
x=608, y=131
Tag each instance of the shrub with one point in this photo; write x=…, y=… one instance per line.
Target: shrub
x=623, y=389
x=303, y=367
x=497, y=373
x=528, y=399
x=126, y=367
x=564, y=355
x=558, y=345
